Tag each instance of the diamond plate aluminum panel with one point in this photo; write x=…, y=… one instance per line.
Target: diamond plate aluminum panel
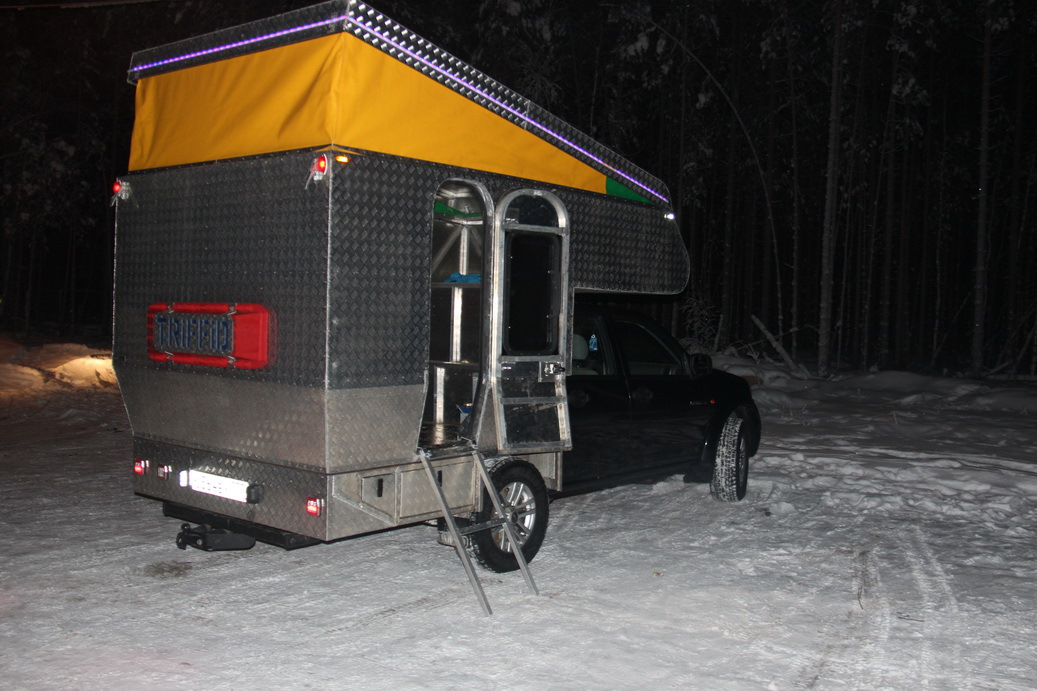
x=379, y=275
x=237, y=231
x=251, y=419
x=373, y=427
x=623, y=247
x=378, y=309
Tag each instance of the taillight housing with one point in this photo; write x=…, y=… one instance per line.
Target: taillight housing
x=319, y=169
x=141, y=465
x=314, y=506
x=120, y=191
x=320, y=166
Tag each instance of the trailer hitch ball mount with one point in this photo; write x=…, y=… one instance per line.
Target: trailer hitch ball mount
x=210, y=539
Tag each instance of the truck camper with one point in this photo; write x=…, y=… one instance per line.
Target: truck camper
x=345, y=275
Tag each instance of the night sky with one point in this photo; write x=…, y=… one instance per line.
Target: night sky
x=858, y=176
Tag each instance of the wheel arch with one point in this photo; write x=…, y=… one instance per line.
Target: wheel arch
x=747, y=411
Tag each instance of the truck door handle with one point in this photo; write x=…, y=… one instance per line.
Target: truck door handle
x=642, y=394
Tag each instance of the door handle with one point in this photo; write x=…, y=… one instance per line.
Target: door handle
x=642, y=394
x=551, y=369
x=578, y=398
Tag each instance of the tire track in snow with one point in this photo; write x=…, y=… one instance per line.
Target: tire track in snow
x=856, y=649
x=858, y=655
x=874, y=623
x=937, y=603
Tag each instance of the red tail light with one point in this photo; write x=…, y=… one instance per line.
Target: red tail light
x=120, y=190
x=140, y=466
x=314, y=506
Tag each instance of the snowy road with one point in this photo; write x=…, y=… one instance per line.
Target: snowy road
x=888, y=541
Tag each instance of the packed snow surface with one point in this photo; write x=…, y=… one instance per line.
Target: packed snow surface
x=888, y=540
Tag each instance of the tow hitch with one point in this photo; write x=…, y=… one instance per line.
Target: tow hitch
x=212, y=539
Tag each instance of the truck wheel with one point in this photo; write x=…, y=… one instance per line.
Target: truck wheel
x=731, y=472
x=523, y=496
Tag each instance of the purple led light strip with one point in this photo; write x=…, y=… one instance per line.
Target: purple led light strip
x=442, y=71
x=239, y=44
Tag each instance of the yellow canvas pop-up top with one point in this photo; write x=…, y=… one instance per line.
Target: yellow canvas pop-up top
x=344, y=80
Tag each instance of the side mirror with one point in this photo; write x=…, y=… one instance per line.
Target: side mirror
x=699, y=364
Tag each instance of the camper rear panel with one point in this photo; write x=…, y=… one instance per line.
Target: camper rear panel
x=228, y=233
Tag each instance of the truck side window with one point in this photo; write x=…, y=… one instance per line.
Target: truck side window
x=645, y=353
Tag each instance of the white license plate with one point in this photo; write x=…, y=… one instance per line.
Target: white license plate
x=217, y=485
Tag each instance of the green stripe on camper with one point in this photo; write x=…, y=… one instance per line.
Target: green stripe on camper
x=616, y=189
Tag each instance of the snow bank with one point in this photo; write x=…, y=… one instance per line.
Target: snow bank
x=24, y=371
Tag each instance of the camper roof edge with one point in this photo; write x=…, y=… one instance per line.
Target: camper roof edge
x=626, y=178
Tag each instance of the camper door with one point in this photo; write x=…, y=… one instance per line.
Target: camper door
x=529, y=322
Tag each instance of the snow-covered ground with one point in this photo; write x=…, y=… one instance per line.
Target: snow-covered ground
x=888, y=541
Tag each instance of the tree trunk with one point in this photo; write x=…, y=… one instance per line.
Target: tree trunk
x=824, y=340
x=943, y=171
x=902, y=342
x=727, y=278
x=793, y=108
x=888, y=154
x=980, y=276
x=1013, y=298
x=765, y=257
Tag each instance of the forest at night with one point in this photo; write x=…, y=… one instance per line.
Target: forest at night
x=855, y=180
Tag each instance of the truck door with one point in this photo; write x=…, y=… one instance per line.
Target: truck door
x=669, y=408
x=599, y=407
x=528, y=323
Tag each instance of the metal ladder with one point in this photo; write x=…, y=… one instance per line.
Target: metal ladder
x=457, y=533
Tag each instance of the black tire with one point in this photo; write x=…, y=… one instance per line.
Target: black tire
x=523, y=496
x=731, y=471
